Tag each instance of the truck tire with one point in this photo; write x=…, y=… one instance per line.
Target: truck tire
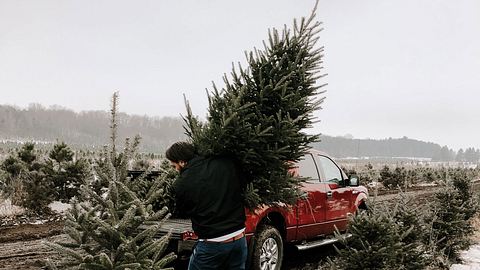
x=268, y=249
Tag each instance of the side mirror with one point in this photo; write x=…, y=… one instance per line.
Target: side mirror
x=354, y=182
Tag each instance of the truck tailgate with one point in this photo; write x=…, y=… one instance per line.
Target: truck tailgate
x=177, y=226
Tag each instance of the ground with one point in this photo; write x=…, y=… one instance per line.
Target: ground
x=21, y=246
x=471, y=257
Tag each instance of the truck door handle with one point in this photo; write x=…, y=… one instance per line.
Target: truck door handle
x=329, y=194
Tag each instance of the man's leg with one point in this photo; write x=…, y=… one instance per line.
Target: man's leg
x=208, y=256
x=238, y=255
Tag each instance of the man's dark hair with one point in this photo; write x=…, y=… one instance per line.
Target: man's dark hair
x=180, y=151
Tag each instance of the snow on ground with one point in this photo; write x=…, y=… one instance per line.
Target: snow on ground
x=59, y=207
x=8, y=210
x=11, y=215
x=471, y=259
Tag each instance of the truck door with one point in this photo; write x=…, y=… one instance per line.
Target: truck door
x=338, y=196
x=311, y=208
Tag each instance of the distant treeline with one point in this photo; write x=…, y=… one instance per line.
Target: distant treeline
x=89, y=129
x=341, y=147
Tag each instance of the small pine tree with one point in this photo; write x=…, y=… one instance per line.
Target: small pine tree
x=34, y=184
x=384, y=238
x=115, y=228
x=12, y=167
x=3, y=183
x=368, y=174
x=388, y=178
x=36, y=192
x=65, y=173
x=261, y=114
x=27, y=153
x=26, y=182
x=453, y=208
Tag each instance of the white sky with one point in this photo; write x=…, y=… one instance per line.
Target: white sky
x=396, y=68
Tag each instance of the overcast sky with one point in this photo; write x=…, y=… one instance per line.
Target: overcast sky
x=395, y=68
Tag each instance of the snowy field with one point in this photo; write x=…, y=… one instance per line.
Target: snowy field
x=471, y=259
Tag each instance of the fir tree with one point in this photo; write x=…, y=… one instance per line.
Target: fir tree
x=34, y=183
x=388, y=177
x=27, y=153
x=453, y=208
x=385, y=237
x=27, y=184
x=115, y=228
x=12, y=167
x=65, y=173
x=3, y=183
x=261, y=114
x=35, y=192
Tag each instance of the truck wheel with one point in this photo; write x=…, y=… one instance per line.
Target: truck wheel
x=268, y=249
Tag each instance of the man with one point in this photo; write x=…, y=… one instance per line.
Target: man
x=210, y=192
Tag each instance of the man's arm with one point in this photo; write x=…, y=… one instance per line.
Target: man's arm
x=182, y=209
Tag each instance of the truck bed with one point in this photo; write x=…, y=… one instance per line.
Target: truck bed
x=178, y=227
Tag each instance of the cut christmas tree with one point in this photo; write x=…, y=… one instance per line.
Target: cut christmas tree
x=259, y=117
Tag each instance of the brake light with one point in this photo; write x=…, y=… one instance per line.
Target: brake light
x=189, y=236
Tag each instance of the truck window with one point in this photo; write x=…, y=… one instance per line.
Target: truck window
x=307, y=168
x=330, y=170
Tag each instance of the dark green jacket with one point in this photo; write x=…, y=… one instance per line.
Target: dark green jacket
x=210, y=192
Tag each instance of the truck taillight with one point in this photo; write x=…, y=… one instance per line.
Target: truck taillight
x=189, y=236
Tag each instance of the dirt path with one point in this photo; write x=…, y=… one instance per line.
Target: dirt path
x=21, y=247
x=30, y=231
x=27, y=255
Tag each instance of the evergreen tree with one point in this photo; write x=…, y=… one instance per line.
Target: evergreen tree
x=388, y=178
x=26, y=183
x=147, y=183
x=452, y=211
x=34, y=184
x=445, y=154
x=65, y=173
x=385, y=237
x=36, y=191
x=3, y=183
x=460, y=157
x=27, y=154
x=428, y=175
x=12, y=167
x=400, y=176
x=261, y=114
x=115, y=229
x=470, y=155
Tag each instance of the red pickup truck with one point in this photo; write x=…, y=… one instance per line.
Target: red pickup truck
x=330, y=198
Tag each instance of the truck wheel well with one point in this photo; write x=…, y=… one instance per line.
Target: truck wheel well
x=363, y=206
x=276, y=220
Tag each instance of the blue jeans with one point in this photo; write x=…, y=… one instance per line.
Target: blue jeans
x=221, y=256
